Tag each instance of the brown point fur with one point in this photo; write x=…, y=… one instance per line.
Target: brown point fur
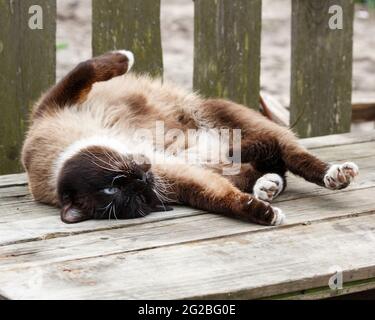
x=84, y=103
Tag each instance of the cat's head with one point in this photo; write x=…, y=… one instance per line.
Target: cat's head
x=100, y=183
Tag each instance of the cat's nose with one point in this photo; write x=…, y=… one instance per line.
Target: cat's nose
x=143, y=179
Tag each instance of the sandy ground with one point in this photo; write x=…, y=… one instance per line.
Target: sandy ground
x=74, y=38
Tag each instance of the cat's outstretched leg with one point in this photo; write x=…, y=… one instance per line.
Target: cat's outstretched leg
x=75, y=87
x=332, y=176
x=274, y=149
x=203, y=189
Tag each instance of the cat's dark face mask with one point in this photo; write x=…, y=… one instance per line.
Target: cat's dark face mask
x=99, y=183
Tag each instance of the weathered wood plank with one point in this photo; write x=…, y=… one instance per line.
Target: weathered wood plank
x=321, y=82
x=345, y=152
x=13, y=195
x=240, y=266
x=132, y=237
x=326, y=292
x=338, y=140
x=227, y=49
x=34, y=222
x=148, y=244
x=133, y=25
x=27, y=64
x=13, y=180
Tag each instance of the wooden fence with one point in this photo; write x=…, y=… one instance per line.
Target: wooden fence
x=226, y=64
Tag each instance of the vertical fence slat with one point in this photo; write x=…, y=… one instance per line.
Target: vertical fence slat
x=27, y=68
x=321, y=77
x=133, y=25
x=227, y=49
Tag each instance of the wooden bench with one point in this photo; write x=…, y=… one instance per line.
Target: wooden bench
x=187, y=253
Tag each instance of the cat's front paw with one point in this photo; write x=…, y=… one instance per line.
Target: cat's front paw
x=279, y=217
x=340, y=176
x=262, y=213
x=268, y=187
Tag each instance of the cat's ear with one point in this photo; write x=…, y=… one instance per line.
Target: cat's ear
x=71, y=214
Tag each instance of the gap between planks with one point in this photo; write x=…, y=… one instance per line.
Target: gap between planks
x=326, y=292
x=59, y=253
x=193, y=228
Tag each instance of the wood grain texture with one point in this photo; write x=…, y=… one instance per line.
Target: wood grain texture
x=133, y=25
x=240, y=266
x=227, y=50
x=338, y=140
x=27, y=64
x=13, y=180
x=321, y=77
x=157, y=234
x=359, y=286
x=35, y=222
x=191, y=254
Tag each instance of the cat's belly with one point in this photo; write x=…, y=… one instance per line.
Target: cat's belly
x=201, y=148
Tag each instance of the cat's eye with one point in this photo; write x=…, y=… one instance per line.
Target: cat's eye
x=111, y=191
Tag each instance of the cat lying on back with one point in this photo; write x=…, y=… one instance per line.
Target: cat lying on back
x=80, y=155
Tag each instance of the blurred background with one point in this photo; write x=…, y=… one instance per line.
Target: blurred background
x=74, y=45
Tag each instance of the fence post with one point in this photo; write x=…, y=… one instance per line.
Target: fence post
x=227, y=49
x=321, y=77
x=27, y=68
x=133, y=25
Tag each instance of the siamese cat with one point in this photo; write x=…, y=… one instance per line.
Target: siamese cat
x=81, y=154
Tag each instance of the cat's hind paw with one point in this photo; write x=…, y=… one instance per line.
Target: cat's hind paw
x=129, y=55
x=268, y=187
x=340, y=176
x=111, y=64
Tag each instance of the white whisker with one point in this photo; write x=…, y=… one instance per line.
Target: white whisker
x=114, y=211
x=117, y=177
